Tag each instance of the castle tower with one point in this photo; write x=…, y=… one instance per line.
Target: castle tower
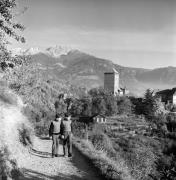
x=111, y=81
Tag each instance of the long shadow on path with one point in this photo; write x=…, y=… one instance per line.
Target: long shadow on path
x=40, y=153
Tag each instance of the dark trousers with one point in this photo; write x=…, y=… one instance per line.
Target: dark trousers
x=55, y=145
x=67, y=143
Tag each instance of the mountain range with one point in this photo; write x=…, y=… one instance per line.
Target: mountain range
x=82, y=69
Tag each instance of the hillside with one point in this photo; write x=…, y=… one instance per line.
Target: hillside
x=85, y=70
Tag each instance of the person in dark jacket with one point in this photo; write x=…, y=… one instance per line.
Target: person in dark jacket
x=66, y=133
x=54, y=132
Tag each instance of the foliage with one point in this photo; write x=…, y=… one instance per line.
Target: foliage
x=124, y=105
x=86, y=106
x=8, y=26
x=76, y=108
x=98, y=105
x=166, y=166
x=101, y=102
x=111, y=104
x=138, y=105
x=102, y=142
x=8, y=166
x=139, y=154
x=150, y=106
x=79, y=129
x=38, y=91
x=25, y=135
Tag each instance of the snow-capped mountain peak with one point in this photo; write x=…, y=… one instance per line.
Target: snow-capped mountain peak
x=29, y=51
x=56, y=51
x=32, y=51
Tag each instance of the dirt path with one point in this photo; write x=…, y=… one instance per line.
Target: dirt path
x=40, y=166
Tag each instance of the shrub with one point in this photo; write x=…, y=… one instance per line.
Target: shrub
x=102, y=142
x=142, y=161
x=42, y=128
x=26, y=135
x=138, y=153
x=166, y=167
x=78, y=129
x=8, y=167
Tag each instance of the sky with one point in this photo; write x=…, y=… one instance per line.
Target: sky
x=134, y=33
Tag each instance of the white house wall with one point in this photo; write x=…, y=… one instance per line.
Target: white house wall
x=174, y=99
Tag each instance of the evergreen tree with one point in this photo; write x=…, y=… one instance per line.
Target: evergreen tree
x=150, y=106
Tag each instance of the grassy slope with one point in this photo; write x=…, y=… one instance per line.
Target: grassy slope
x=109, y=168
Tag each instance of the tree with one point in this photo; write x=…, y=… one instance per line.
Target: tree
x=103, y=102
x=138, y=105
x=86, y=106
x=98, y=105
x=8, y=26
x=111, y=104
x=150, y=106
x=96, y=92
x=76, y=108
x=124, y=105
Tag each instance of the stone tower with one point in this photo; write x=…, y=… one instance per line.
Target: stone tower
x=111, y=81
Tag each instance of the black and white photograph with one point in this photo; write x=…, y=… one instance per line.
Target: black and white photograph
x=87, y=89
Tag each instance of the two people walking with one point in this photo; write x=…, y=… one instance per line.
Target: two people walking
x=61, y=131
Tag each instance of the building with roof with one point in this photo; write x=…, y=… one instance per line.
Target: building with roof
x=93, y=119
x=99, y=119
x=167, y=96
